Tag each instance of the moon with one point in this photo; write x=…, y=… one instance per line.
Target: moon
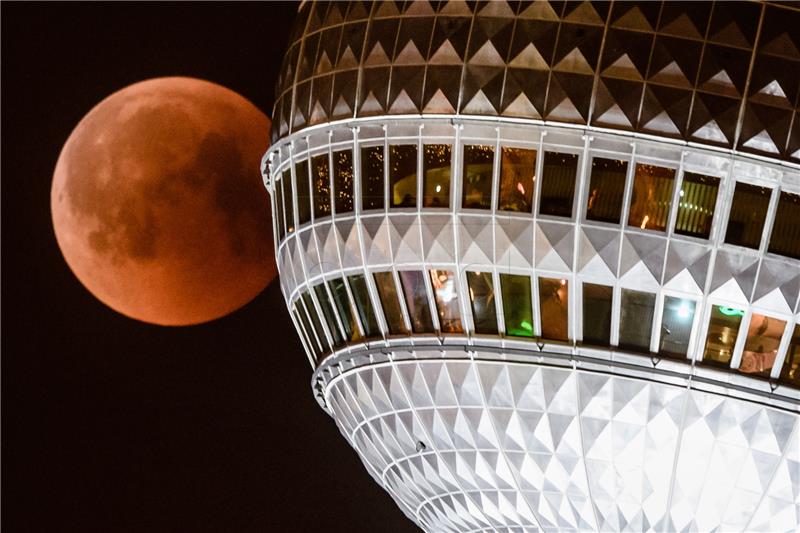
x=158, y=205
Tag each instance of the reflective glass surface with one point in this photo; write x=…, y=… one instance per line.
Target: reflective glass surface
x=403, y=175
x=722, y=331
x=419, y=311
x=553, y=308
x=310, y=337
x=342, y=302
x=636, y=320
x=446, y=294
x=761, y=347
x=481, y=295
x=606, y=190
x=343, y=181
x=436, y=182
x=279, y=203
x=790, y=372
x=696, y=201
x=320, y=180
x=785, y=238
x=372, y=177
x=517, y=180
x=558, y=184
x=303, y=194
x=328, y=313
x=358, y=287
x=652, y=197
x=315, y=321
x=676, y=326
x=597, y=314
x=747, y=215
x=390, y=302
x=477, y=176
x=517, y=308
x=288, y=201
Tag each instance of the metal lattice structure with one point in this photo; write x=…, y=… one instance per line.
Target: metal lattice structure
x=544, y=257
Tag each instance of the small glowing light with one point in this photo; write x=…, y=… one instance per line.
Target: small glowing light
x=684, y=311
x=526, y=325
x=438, y=188
x=644, y=221
x=520, y=188
x=681, y=193
x=730, y=311
x=563, y=282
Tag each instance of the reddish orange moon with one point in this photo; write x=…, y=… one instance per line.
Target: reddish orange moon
x=158, y=204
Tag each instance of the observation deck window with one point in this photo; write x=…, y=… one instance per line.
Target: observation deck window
x=279, y=205
x=517, y=180
x=358, y=286
x=303, y=192
x=723, y=329
x=481, y=295
x=321, y=180
x=343, y=181
x=288, y=201
x=372, y=181
x=761, y=348
x=636, y=320
x=553, y=308
x=315, y=323
x=436, y=176
x=445, y=292
x=785, y=238
x=747, y=215
x=387, y=290
x=597, y=314
x=606, y=190
x=477, y=176
x=342, y=303
x=328, y=313
x=308, y=334
x=790, y=373
x=416, y=294
x=652, y=197
x=558, y=184
x=696, y=202
x=676, y=326
x=517, y=308
x=403, y=175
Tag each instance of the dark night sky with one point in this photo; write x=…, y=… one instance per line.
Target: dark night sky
x=114, y=425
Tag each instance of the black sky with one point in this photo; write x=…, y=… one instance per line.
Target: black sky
x=114, y=425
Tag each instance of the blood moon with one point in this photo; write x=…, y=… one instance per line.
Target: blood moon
x=158, y=204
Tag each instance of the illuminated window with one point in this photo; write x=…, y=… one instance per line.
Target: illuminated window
x=696, y=201
x=315, y=322
x=597, y=314
x=652, y=197
x=517, y=180
x=606, y=190
x=372, y=177
x=517, y=309
x=477, y=177
x=481, y=295
x=436, y=175
x=343, y=181
x=721, y=337
x=342, y=302
x=417, y=303
x=446, y=295
x=747, y=215
x=358, y=286
x=403, y=175
x=676, y=326
x=303, y=194
x=636, y=320
x=553, y=308
x=790, y=372
x=761, y=348
x=390, y=303
x=279, y=204
x=330, y=316
x=311, y=338
x=785, y=238
x=558, y=184
x=288, y=201
x=321, y=181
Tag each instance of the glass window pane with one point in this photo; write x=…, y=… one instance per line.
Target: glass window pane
x=320, y=179
x=303, y=194
x=279, y=205
x=390, y=302
x=311, y=338
x=403, y=175
x=721, y=337
x=785, y=238
x=436, y=184
x=676, y=326
x=553, y=308
x=517, y=308
x=696, y=202
x=558, y=184
x=481, y=295
x=372, y=177
x=419, y=310
x=517, y=177
x=606, y=190
x=330, y=316
x=342, y=302
x=477, y=177
x=358, y=286
x=315, y=322
x=652, y=197
x=597, y=314
x=288, y=201
x=790, y=373
x=748, y=211
x=343, y=181
x=446, y=294
x=636, y=320
x=761, y=348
